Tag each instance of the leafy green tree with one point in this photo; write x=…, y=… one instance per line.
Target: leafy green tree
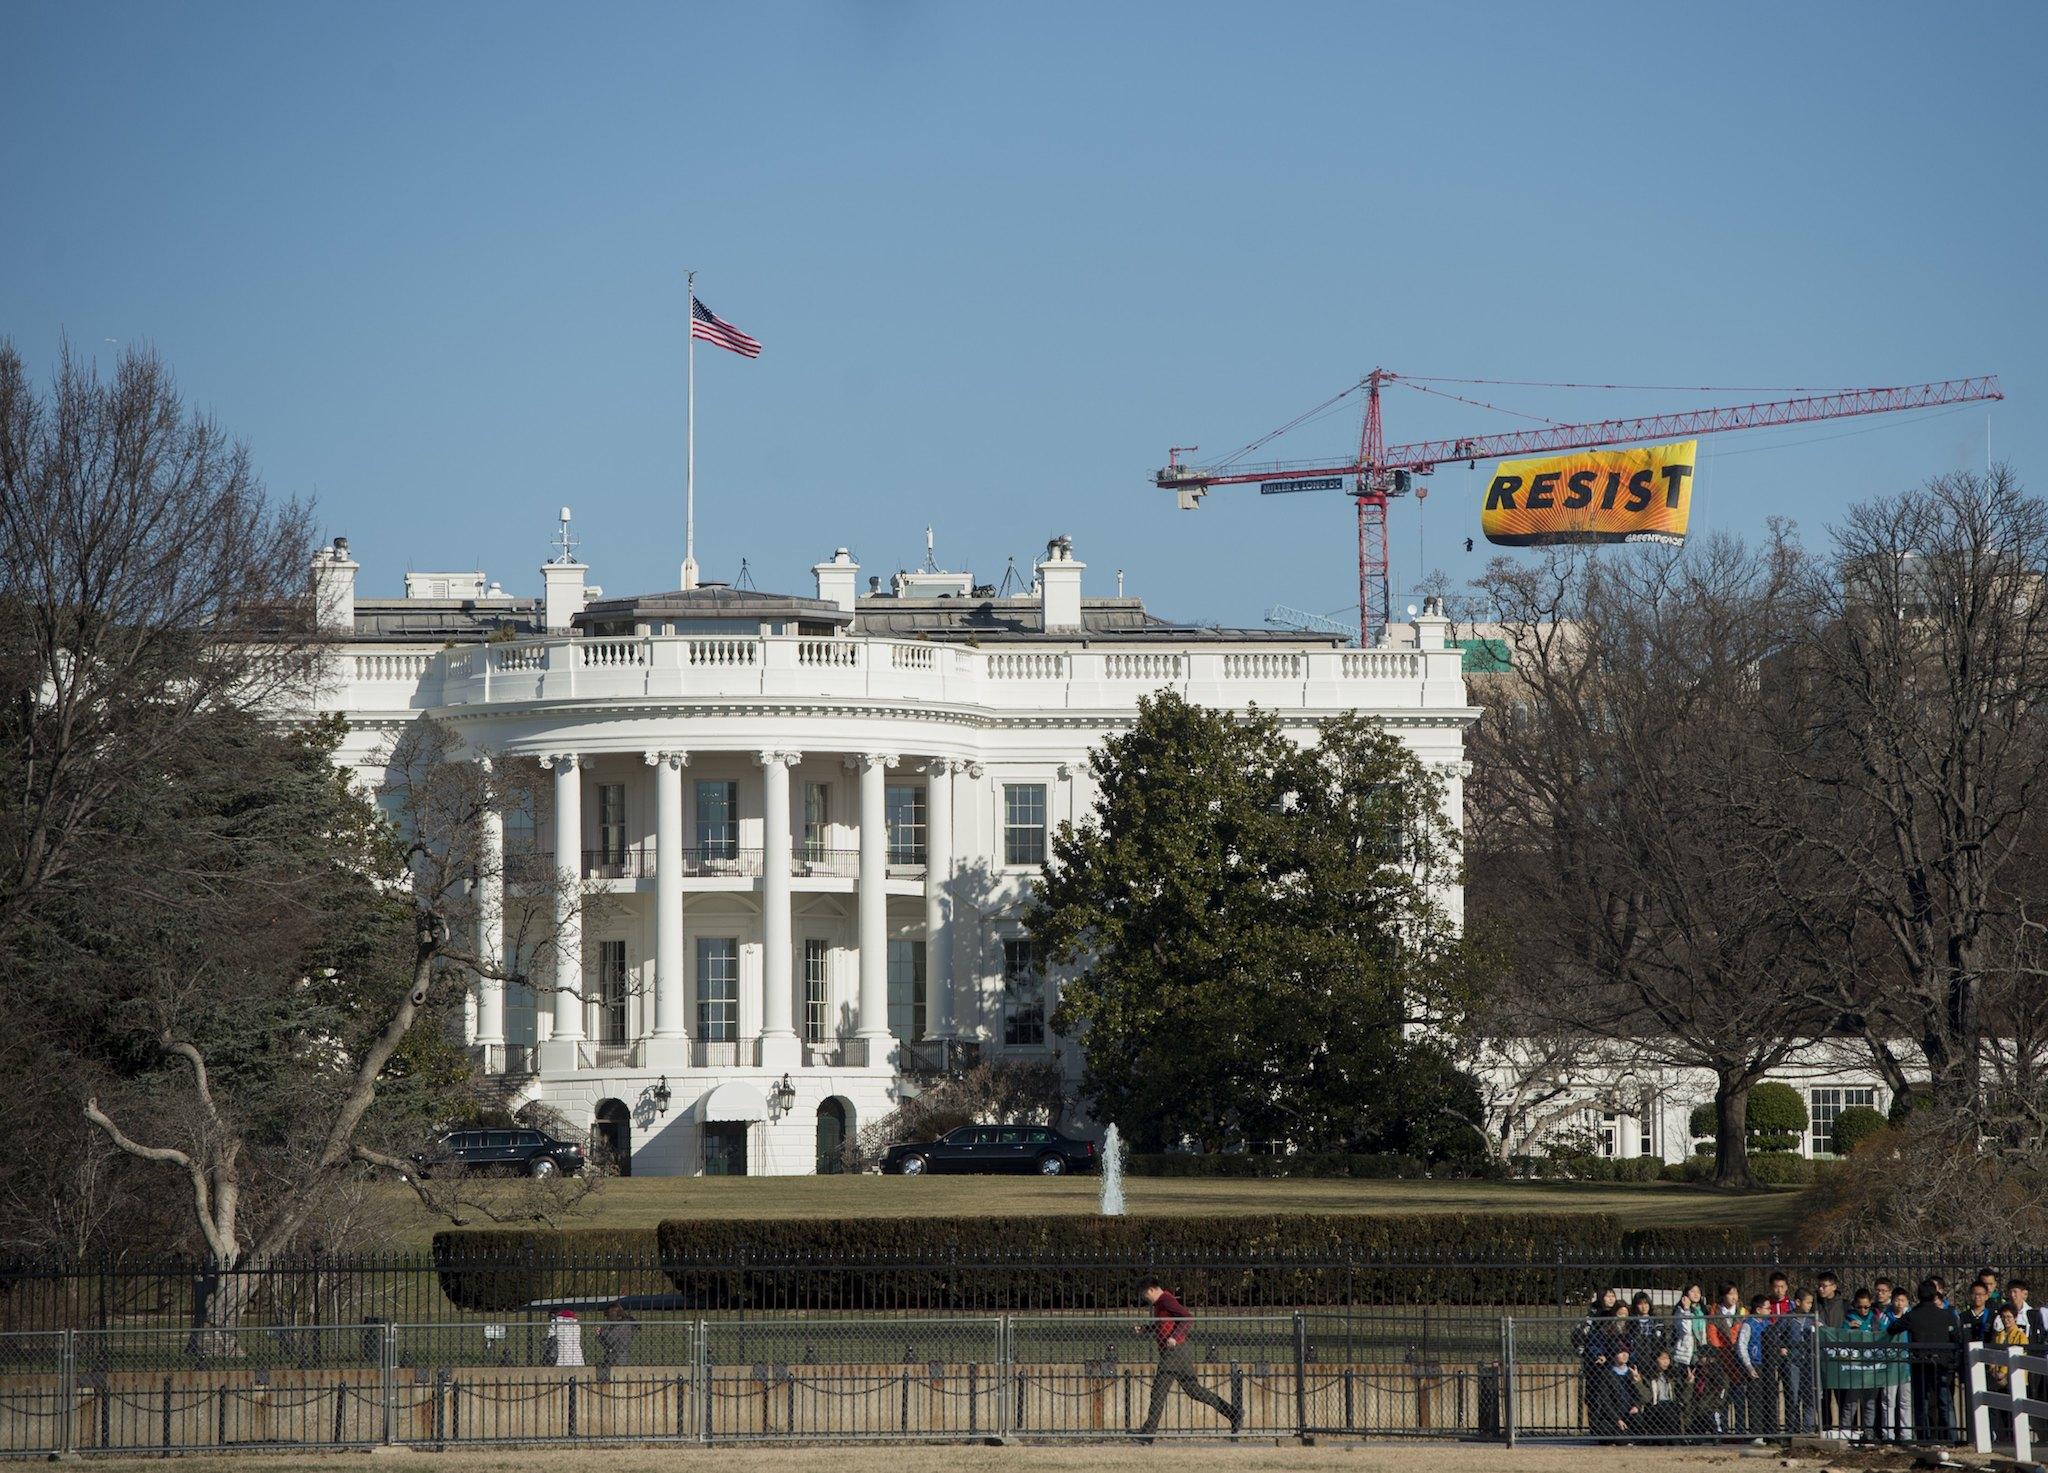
x=1257, y=924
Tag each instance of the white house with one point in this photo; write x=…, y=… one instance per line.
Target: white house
x=814, y=819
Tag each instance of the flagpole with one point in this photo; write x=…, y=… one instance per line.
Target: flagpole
x=690, y=465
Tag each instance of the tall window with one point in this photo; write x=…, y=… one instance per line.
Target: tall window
x=611, y=824
x=1023, y=993
x=904, y=808
x=1024, y=823
x=718, y=989
x=817, y=991
x=817, y=821
x=1610, y=1135
x=718, y=819
x=906, y=989
x=1825, y=1106
x=611, y=992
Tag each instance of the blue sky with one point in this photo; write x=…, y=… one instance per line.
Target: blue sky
x=427, y=259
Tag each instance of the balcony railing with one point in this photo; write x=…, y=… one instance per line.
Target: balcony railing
x=890, y=670
x=642, y=862
x=813, y=860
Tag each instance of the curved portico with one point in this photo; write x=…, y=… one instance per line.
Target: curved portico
x=790, y=841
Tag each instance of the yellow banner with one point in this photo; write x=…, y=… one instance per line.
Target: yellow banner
x=1642, y=494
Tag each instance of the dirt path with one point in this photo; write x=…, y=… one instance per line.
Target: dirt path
x=1089, y=1458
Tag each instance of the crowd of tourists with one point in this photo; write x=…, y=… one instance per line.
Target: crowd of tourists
x=1883, y=1362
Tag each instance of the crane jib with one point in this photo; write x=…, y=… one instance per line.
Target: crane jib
x=1306, y=483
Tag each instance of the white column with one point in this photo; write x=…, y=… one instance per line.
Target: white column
x=560, y=1051
x=779, y=1048
x=938, y=900
x=669, y=1046
x=874, y=907
x=490, y=912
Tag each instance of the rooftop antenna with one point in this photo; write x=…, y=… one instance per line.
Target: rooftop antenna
x=1119, y=582
x=744, y=579
x=565, y=543
x=1010, y=576
x=930, y=563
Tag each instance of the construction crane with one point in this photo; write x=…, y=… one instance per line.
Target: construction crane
x=1379, y=472
x=1292, y=618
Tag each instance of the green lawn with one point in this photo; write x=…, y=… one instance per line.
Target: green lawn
x=645, y=1201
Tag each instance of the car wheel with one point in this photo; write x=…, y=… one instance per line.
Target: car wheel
x=913, y=1166
x=542, y=1166
x=1052, y=1166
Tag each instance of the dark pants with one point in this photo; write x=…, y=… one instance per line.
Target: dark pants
x=1177, y=1368
x=1799, y=1406
x=1934, y=1404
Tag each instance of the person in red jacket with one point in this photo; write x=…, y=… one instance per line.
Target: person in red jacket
x=1170, y=1328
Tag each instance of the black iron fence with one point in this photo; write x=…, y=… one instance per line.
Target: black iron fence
x=620, y=1377
x=322, y=1290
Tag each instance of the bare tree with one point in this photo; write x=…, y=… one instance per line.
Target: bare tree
x=264, y=1131
x=1924, y=729
x=146, y=583
x=1610, y=786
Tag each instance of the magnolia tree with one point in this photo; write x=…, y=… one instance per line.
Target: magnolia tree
x=1259, y=937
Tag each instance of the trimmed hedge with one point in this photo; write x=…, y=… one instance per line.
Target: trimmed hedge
x=1390, y=1167
x=1383, y=1167
x=992, y=1264
x=497, y=1269
x=996, y=1264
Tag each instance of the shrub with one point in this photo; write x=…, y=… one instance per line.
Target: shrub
x=1777, y=1117
x=1781, y=1168
x=1853, y=1127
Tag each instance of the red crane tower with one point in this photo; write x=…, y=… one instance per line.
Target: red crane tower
x=1379, y=473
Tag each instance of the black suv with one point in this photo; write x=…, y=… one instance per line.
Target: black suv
x=491, y=1150
x=1035, y=1148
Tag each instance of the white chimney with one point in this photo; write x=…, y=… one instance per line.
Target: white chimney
x=1059, y=586
x=334, y=589
x=838, y=580
x=563, y=584
x=1432, y=629
x=562, y=581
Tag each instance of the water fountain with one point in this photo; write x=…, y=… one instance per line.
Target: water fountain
x=1112, y=1173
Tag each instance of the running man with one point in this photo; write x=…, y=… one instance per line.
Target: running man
x=1171, y=1326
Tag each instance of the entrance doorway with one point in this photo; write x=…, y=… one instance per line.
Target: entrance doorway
x=725, y=1148
x=613, y=1136
x=832, y=1124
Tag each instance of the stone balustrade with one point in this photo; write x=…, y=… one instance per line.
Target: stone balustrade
x=885, y=670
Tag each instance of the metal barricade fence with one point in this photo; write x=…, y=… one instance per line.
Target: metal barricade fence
x=959, y=1378
x=866, y=1378
x=1625, y=1380
x=36, y=1393
x=1438, y=1377
x=1109, y=1375
x=573, y=1379
x=158, y=1390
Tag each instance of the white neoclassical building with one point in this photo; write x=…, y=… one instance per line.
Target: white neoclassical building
x=812, y=821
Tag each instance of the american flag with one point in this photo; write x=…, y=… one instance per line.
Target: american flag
x=709, y=326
